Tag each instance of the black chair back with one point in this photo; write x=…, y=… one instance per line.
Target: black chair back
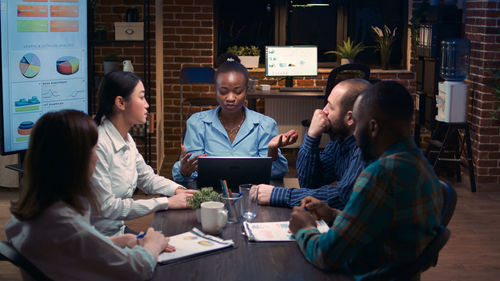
x=427, y=259
x=194, y=75
x=343, y=72
x=9, y=253
x=449, y=202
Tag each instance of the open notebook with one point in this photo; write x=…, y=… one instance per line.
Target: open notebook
x=274, y=231
x=193, y=243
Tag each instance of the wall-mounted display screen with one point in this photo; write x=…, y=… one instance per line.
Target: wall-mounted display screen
x=44, y=64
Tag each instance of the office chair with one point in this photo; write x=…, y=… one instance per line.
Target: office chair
x=195, y=75
x=430, y=254
x=427, y=259
x=9, y=253
x=340, y=73
x=449, y=202
x=344, y=72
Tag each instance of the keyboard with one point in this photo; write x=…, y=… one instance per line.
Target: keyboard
x=296, y=89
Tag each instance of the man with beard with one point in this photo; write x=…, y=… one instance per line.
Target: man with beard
x=339, y=162
x=394, y=211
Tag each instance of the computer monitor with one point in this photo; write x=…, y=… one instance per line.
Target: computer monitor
x=44, y=64
x=291, y=61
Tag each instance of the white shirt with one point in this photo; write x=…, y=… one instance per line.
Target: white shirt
x=62, y=244
x=119, y=171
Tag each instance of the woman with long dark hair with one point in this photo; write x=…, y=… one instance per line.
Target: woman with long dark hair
x=50, y=225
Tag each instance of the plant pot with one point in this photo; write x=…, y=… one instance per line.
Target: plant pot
x=346, y=61
x=110, y=66
x=250, y=61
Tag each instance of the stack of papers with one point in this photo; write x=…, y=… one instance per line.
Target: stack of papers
x=192, y=243
x=275, y=231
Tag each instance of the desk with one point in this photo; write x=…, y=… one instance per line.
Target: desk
x=245, y=261
x=253, y=95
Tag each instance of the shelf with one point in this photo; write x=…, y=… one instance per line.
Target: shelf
x=116, y=41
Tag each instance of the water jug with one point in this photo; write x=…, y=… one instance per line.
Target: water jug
x=455, y=55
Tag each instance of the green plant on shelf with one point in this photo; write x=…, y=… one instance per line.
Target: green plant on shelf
x=244, y=50
x=348, y=50
x=206, y=194
x=384, y=38
x=111, y=57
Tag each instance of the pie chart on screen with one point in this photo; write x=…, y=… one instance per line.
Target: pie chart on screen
x=67, y=65
x=29, y=65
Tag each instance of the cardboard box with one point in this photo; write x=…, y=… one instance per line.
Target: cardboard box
x=129, y=30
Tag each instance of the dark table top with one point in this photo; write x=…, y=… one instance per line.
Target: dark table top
x=245, y=261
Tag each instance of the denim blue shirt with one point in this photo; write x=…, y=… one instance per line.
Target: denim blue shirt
x=339, y=162
x=206, y=135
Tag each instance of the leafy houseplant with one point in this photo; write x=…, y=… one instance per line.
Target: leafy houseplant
x=384, y=39
x=249, y=55
x=348, y=51
x=206, y=194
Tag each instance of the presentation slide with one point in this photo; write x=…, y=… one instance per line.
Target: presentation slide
x=44, y=63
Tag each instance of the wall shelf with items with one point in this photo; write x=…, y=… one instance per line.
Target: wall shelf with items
x=101, y=45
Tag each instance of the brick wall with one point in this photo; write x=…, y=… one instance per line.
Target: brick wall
x=482, y=27
x=106, y=12
x=188, y=41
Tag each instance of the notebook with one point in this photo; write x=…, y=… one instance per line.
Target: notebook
x=275, y=231
x=193, y=243
x=235, y=170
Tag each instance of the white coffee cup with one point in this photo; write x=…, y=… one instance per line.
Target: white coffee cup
x=213, y=217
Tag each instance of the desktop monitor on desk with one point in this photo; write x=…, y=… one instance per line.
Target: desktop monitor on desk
x=291, y=61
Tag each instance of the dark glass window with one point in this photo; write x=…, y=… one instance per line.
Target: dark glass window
x=313, y=25
x=244, y=23
x=324, y=23
x=362, y=14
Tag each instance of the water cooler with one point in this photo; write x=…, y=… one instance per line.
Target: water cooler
x=451, y=113
x=451, y=101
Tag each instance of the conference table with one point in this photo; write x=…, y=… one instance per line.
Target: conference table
x=245, y=261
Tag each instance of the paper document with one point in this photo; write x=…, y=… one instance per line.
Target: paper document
x=275, y=231
x=192, y=243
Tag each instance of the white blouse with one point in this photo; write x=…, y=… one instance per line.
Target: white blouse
x=62, y=244
x=120, y=170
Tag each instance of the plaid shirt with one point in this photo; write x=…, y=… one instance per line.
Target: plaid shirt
x=393, y=213
x=339, y=161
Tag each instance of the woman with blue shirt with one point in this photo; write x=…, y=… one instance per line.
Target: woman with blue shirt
x=231, y=129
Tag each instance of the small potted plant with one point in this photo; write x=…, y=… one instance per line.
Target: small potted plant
x=384, y=39
x=249, y=55
x=110, y=63
x=206, y=194
x=348, y=51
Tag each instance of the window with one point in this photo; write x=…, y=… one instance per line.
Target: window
x=324, y=23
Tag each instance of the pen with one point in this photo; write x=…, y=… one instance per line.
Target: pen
x=141, y=235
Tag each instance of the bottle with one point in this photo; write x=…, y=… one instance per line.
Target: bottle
x=455, y=55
